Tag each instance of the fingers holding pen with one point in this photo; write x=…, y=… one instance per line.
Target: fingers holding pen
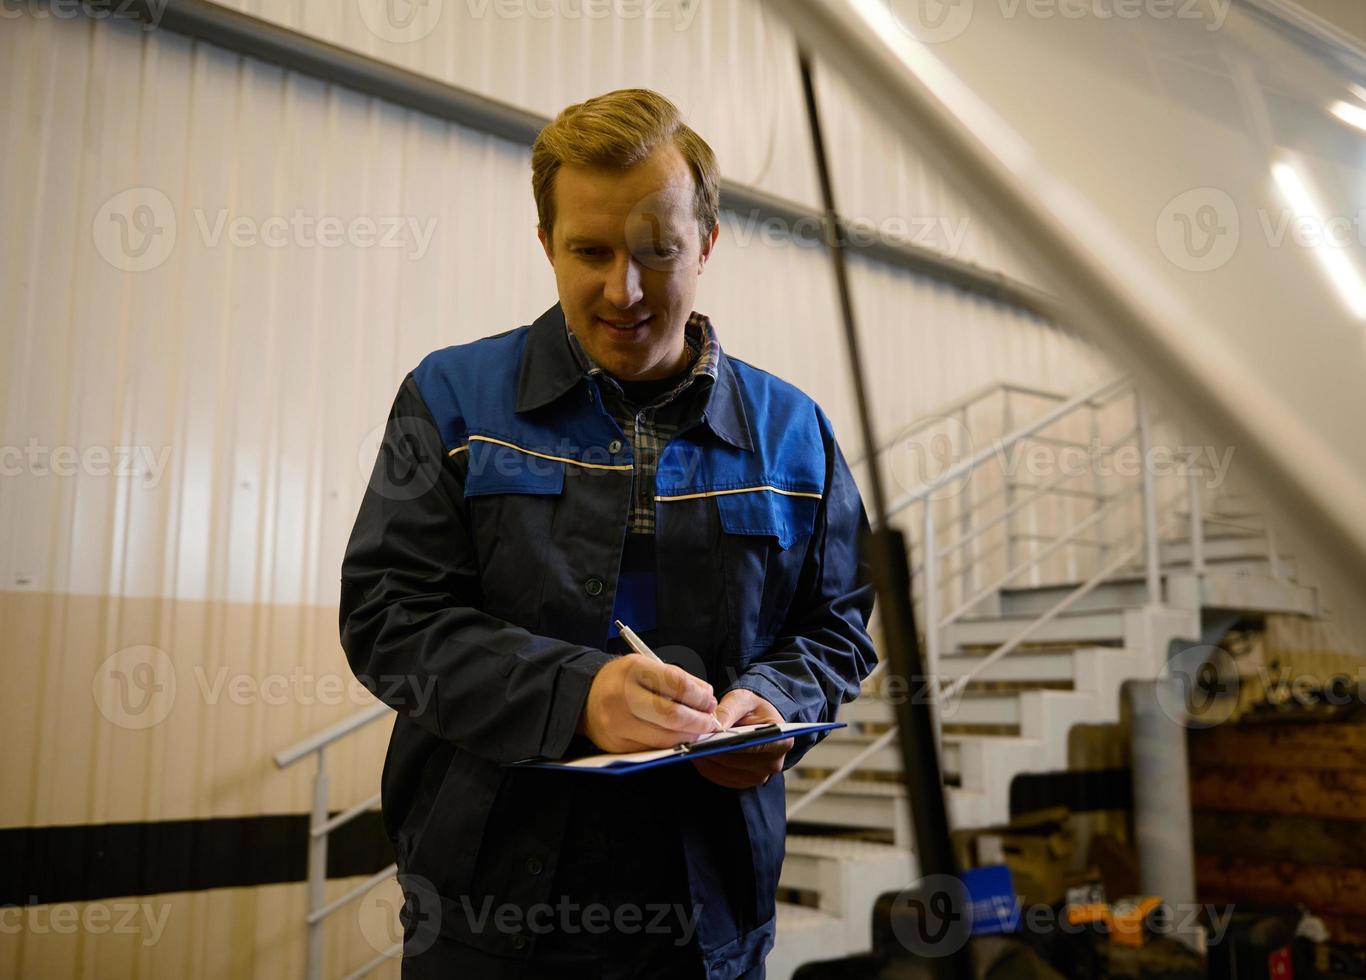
x=636, y=703
x=670, y=698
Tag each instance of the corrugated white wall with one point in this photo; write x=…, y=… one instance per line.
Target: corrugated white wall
x=249, y=376
x=190, y=410
x=730, y=65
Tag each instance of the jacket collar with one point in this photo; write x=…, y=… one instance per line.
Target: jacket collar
x=549, y=369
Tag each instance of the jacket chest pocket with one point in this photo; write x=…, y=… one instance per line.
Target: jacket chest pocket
x=512, y=497
x=764, y=538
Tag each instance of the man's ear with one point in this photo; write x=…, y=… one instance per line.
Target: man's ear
x=544, y=236
x=708, y=243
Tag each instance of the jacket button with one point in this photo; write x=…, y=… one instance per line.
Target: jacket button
x=519, y=942
x=534, y=866
x=614, y=446
x=593, y=586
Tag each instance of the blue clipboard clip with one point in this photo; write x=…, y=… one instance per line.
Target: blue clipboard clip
x=757, y=734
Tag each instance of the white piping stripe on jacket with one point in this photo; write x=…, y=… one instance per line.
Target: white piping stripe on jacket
x=627, y=467
x=722, y=493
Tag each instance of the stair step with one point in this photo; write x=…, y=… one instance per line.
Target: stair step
x=803, y=935
x=833, y=753
x=1216, y=549
x=859, y=803
x=971, y=708
x=846, y=876
x=806, y=866
x=1117, y=593
x=1042, y=666
x=1257, y=593
x=1095, y=627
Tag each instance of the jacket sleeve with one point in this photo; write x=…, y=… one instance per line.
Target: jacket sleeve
x=823, y=650
x=410, y=614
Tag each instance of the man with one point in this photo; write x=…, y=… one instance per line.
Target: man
x=606, y=463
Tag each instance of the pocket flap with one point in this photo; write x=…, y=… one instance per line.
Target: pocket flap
x=787, y=517
x=498, y=468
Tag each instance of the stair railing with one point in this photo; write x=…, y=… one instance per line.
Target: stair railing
x=320, y=825
x=1144, y=540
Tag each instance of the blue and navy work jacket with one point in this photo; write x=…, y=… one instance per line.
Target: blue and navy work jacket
x=477, y=595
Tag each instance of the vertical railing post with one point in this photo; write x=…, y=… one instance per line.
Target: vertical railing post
x=317, y=869
x=1197, y=532
x=1007, y=427
x=931, y=574
x=932, y=621
x=1154, y=581
x=968, y=579
x=1097, y=486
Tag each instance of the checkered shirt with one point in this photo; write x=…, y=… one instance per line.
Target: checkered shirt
x=647, y=433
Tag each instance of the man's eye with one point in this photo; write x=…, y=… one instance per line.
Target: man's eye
x=590, y=252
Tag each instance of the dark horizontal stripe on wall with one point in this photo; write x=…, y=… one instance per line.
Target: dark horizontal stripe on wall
x=40, y=865
x=1079, y=791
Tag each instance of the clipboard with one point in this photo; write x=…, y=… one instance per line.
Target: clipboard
x=622, y=763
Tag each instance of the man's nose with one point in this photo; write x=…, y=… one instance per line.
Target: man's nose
x=623, y=283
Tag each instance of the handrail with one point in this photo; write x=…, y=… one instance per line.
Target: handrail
x=1006, y=514
x=346, y=816
x=1039, y=491
x=317, y=915
x=970, y=464
x=332, y=733
x=817, y=791
x=940, y=413
x=1106, y=503
x=370, y=965
x=320, y=825
x=1076, y=595
x=957, y=687
x=931, y=417
x=1001, y=580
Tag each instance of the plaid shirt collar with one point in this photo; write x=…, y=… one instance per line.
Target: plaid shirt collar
x=698, y=336
x=549, y=369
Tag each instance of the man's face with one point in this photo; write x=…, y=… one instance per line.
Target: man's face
x=627, y=253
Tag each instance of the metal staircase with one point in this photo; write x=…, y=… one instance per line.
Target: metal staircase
x=1043, y=627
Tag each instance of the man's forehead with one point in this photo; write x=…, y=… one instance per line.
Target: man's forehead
x=597, y=201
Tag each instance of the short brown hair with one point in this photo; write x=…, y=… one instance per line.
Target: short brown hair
x=619, y=130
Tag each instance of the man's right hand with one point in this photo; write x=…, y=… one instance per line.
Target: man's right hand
x=636, y=703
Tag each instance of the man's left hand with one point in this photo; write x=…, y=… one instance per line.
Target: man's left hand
x=745, y=768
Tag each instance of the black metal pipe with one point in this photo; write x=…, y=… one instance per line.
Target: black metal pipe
x=886, y=549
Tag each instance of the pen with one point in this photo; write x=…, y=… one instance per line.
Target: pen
x=638, y=645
